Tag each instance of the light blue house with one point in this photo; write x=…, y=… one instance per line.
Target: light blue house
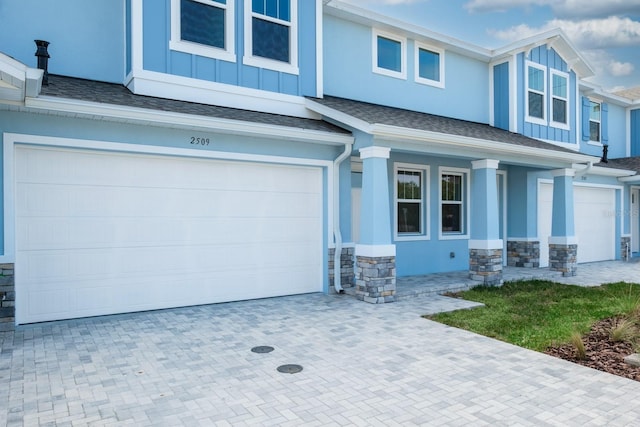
x=164, y=153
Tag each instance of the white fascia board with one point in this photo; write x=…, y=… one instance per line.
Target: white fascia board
x=497, y=150
x=339, y=116
x=630, y=179
x=369, y=18
x=151, y=83
x=602, y=171
x=591, y=89
x=133, y=115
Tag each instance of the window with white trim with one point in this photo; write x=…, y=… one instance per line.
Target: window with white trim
x=203, y=27
x=454, y=202
x=559, y=99
x=271, y=36
x=429, y=64
x=595, y=121
x=536, y=104
x=411, y=201
x=389, y=56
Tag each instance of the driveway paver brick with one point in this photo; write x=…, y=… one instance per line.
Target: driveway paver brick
x=364, y=364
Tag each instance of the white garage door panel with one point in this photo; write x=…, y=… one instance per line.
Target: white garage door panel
x=100, y=233
x=594, y=224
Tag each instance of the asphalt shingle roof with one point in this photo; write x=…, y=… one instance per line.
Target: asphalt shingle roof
x=628, y=163
x=379, y=114
x=116, y=94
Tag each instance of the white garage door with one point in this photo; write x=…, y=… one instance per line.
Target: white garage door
x=594, y=224
x=100, y=233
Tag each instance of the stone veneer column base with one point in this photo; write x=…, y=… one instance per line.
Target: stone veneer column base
x=7, y=298
x=563, y=258
x=521, y=253
x=376, y=279
x=485, y=265
x=347, y=276
x=625, y=248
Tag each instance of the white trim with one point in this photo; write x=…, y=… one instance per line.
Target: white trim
x=485, y=164
x=319, y=51
x=552, y=123
x=375, y=251
x=375, y=151
x=188, y=89
x=226, y=54
x=136, y=35
x=441, y=55
x=564, y=240
x=486, y=244
x=182, y=121
x=425, y=202
x=402, y=74
x=290, y=67
x=513, y=93
x=492, y=101
x=11, y=139
x=528, y=118
x=563, y=172
x=466, y=205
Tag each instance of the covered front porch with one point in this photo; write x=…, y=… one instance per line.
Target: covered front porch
x=590, y=274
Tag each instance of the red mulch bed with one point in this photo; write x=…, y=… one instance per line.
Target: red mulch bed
x=601, y=352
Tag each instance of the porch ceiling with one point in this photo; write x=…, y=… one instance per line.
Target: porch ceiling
x=406, y=130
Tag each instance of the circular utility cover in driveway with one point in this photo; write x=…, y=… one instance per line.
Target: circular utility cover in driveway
x=289, y=369
x=262, y=349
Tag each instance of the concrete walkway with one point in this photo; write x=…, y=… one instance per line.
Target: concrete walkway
x=363, y=365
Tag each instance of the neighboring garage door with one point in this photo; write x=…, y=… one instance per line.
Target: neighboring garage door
x=595, y=226
x=102, y=232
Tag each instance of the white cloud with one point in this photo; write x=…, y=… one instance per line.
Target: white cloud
x=620, y=69
x=561, y=8
x=365, y=3
x=588, y=34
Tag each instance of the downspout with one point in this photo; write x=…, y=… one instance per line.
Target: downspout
x=585, y=170
x=337, y=235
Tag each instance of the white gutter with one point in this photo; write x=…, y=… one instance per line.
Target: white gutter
x=585, y=170
x=337, y=235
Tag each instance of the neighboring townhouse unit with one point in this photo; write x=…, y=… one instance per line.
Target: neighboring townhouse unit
x=163, y=153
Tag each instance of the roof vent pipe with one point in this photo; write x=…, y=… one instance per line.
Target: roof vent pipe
x=605, y=152
x=43, y=59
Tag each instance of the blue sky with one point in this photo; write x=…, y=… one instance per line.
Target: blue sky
x=606, y=32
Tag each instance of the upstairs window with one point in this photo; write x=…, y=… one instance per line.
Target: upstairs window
x=203, y=27
x=389, y=56
x=536, y=103
x=559, y=99
x=595, y=120
x=411, y=202
x=271, y=35
x=429, y=65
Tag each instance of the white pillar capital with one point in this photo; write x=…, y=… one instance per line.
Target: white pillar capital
x=377, y=152
x=485, y=164
x=563, y=172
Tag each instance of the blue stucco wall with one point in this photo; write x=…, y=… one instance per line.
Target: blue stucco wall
x=159, y=58
x=501, y=96
x=87, y=37
x=348, y=73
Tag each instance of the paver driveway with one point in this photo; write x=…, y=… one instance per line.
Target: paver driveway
x=363, y=365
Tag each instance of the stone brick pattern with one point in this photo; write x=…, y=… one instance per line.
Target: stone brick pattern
x=625, y=248
x=376, y=279
x=7, y=298
x=563, y=258
x=485, y=265
x=523, y=254
x=347, y=275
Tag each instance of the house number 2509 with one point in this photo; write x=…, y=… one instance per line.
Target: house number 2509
x=199, y=141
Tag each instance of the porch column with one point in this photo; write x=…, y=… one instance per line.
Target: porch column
x=485, y=245
x=375, y=254
x=563, y=245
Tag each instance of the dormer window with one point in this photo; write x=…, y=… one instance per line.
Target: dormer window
x=271, y=39
x=203, y=27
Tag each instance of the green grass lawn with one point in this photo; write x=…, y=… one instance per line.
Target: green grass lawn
x=537, y=314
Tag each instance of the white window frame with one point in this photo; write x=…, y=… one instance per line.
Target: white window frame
x=565, y=76
x=424, y=233
x=290, y=67
x=422, y=80
x=466, y=205
x=529, y=118
x=176, y=43
x=591, y=141
x=402, y=74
